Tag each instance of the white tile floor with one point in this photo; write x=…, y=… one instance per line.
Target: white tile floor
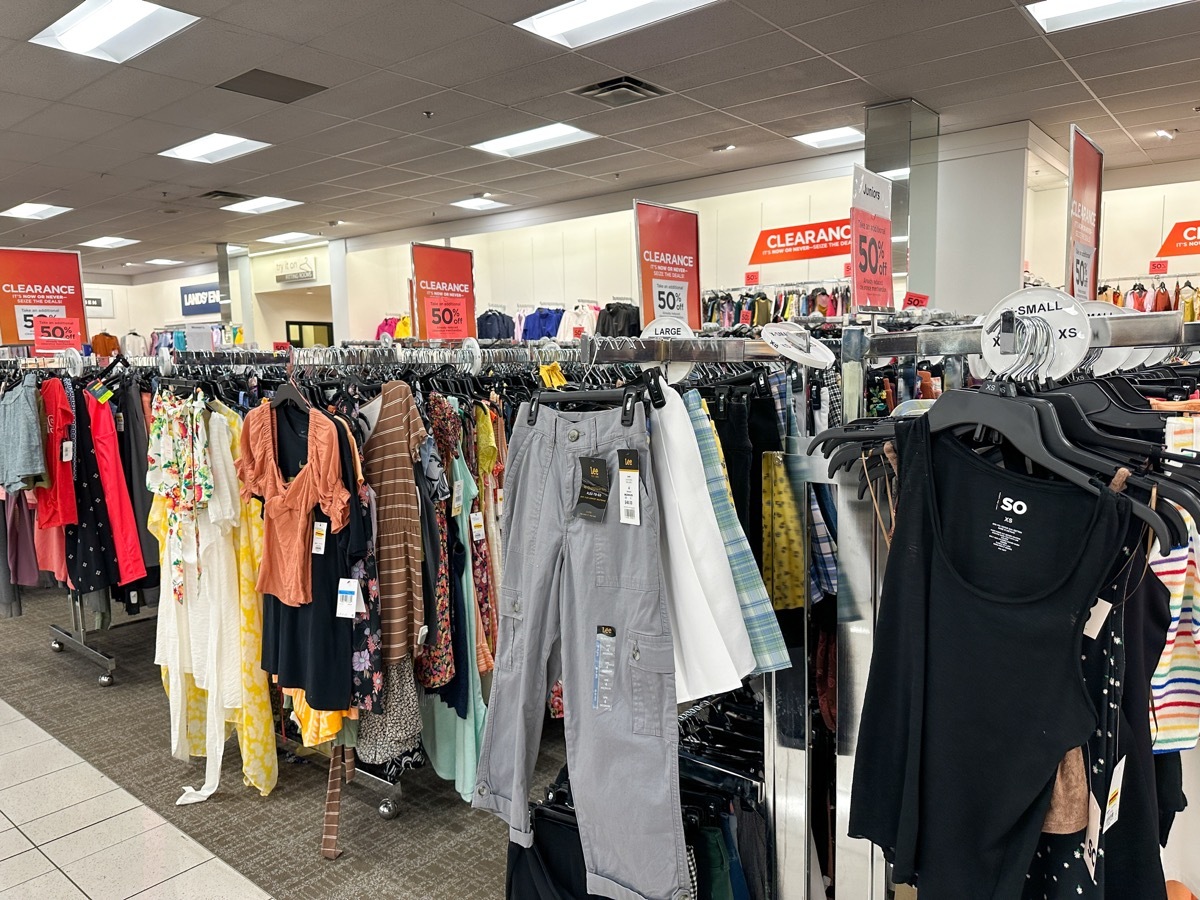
x=67, y=833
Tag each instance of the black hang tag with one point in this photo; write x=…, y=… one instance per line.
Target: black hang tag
x=628, y=460
x=594, y=488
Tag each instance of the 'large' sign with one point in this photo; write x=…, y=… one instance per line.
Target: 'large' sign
x=802, y=242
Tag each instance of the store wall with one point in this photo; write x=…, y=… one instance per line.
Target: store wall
x=145, y=307
x=1046, y=235
x=275, y=309
x=377, y=285
x=1134, y=223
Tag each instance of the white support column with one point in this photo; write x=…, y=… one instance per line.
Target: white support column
x=339, y=290
x=246, y=300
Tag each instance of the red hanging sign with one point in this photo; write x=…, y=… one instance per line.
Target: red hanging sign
x=915, y=301
x=752, y=278
x=1083, y=225
x=1184, y=240
x=36, y=283
x=846, y=270
x=668, y=253
x=444, y=289
x=52, y=334
x=802, y=242
x=1158, y=267
x=871, y=239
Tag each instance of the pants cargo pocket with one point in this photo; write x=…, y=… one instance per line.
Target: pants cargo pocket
x=651, y=661
x=510, y=648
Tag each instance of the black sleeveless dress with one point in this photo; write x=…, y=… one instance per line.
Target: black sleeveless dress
x=975, y=691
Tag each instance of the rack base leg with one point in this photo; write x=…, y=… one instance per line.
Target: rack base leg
x=61, y=639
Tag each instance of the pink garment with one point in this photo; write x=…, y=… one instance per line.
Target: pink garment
x=50, y=545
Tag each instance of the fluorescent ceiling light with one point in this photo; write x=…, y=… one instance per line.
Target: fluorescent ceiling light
x=1170, y=136
x=109, y=243
x=113, y=30
x=164, y=262
x=583, y=22
x=1056, y=15
x=833, y=137
x=535, y=140
x=214, y=148
x=896, y=174
x=288, y=237
x=35, y=211
x=479, y=203
x=258, y=205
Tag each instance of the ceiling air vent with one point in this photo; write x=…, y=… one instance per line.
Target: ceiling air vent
x=621, y=91
x=224, y=196
x=271, y=86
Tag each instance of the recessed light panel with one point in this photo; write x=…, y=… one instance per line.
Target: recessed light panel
x=1057, y=15
x=35, y=211
x=833, y=137
x=535, y=140
x=113, y=30
x=214, y=148
x=288, y=237
x=896, y=174
x=258, y=205
x=164, y=262
x=583, y=22
x=109, y=243
x=479, y=203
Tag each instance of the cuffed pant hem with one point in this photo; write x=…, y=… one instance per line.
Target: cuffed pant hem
x=604, y=887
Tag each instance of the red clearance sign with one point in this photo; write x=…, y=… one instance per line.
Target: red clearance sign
x=802, y=242
x=1184, y=240
x=668, y=252
x=35, y=283
x=444, y=289
x=1083, y=226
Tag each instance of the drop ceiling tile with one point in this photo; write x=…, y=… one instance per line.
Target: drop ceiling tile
x=401, y=31
x=488, y=53
x=1173, y=153
x=1011, y=107
x=29, y=148
x=400, y=150
x=507, y=10
x=830, y=118
x=801, y=76
x=560, y=73
x=1128, y=31
x=432, y=184
x=502, y=168
x=532, y=181
x=493, y=124
x=146, y=136
x=278, y=158
x=15, y=108
x=48, y=74
x=608, y=165
x=703, y=145
x=70, y=123
x=329, y=169
x=666, y=173
x=1044, y=76
x=21, y=21
x=1173, y=49
x=92, y=157
x=367, y=95
x=786, y=13
x=213, y=109
x=44, y=178
x=345, y=138
x=695, y=126
x=1178, y=93
x=768, y=51
x=209, y=52
x=1170, y=75
x=575, y=190
x=1061, y=131
x=286, y=123
x=450, y=161
x=581, y=152
x=374, y=179
x=883, y=19
x=447, y=107
x=908, y=79
x=834, y=96
x=299, y=20
x=309, y=193
x=131, y=92
x=782, y=150
x=638, y=115
x=1071, y=112
x=710, y=27
x=109, y=186
x=452, y=195
x=561, y=107
x=316, y=66
x=1174, y=115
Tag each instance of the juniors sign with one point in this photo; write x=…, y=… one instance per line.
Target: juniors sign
x=668, y=253
x=1083, y=226
x=444, y=289
x=871, y=239
x=802, y=242
x=200, y=299
x=37, y=283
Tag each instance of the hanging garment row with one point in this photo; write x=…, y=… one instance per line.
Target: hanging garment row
x=1036, y=608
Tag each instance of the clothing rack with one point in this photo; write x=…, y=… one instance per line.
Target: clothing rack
x=1146, y=276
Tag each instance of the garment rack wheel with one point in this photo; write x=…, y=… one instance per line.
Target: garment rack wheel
x=389, y=806
x=56, y=646
x=106, y=680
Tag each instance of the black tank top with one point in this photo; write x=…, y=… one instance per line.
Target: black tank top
x=975, y=691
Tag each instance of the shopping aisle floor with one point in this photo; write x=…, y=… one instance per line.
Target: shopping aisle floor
x=437, y=849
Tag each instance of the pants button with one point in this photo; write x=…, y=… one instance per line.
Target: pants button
x=482, y=790
x=573, y=434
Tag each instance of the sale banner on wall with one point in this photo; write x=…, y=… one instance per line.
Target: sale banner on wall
x=871, y=239
x=1183, y=240
x=38, y=283
x=1083, y=227
x=443, y=285
x=802, y=242
x=668, y=253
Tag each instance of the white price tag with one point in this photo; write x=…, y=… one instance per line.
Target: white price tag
x=26, y=313
x=670, y=298
x=359, y=605
x=1091, y=843
x=1112, y=811
x=477, y=531
x=68, y=451
x=320, y=529
x=499, y=502
x=1096, y=620
x=347, y=589
x=1081, y=272
x=120, y=417
x=627, y=487
x=456, y=501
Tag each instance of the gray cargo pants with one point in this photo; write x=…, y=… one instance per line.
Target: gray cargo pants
x=596, y=587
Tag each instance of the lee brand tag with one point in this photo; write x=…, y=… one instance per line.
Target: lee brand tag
x=477, y=526
x=120, y=417
x=347, y=587
x=604, y=672
x=593, y=489
x=1112, y=811
x=627, y=485
x=456, y=502
x=1091, y=843
x=1096, y=620
x=320, y=529
x=68, y=451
